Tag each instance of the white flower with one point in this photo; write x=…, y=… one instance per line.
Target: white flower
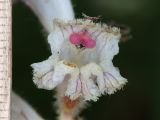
x=82, y=50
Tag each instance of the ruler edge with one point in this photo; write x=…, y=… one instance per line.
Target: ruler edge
x=10, y=57
x=9, y=60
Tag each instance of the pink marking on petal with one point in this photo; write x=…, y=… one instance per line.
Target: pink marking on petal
x=89, y=43
x=82, y=38
x=75, y=39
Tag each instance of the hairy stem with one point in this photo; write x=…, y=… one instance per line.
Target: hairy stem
x=67, y=109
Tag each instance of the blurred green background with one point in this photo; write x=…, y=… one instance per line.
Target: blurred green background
x=138, y=59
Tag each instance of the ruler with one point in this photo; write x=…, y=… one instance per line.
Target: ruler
x=5, y=59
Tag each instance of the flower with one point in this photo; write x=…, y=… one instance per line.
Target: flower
x=82, y=54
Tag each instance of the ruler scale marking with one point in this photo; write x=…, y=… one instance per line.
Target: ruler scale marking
x=5, y=58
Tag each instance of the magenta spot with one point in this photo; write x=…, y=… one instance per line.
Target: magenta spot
x=83, y=39
x=75, y=39
x=89, y=43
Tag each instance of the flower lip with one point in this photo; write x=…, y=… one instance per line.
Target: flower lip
x=82, y=40
x=91, y=71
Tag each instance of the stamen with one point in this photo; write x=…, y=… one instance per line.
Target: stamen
x=69, y=64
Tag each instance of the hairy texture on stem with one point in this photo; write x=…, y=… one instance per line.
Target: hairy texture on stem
x=68, y=109
x=21, y=110
x=47, y=10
